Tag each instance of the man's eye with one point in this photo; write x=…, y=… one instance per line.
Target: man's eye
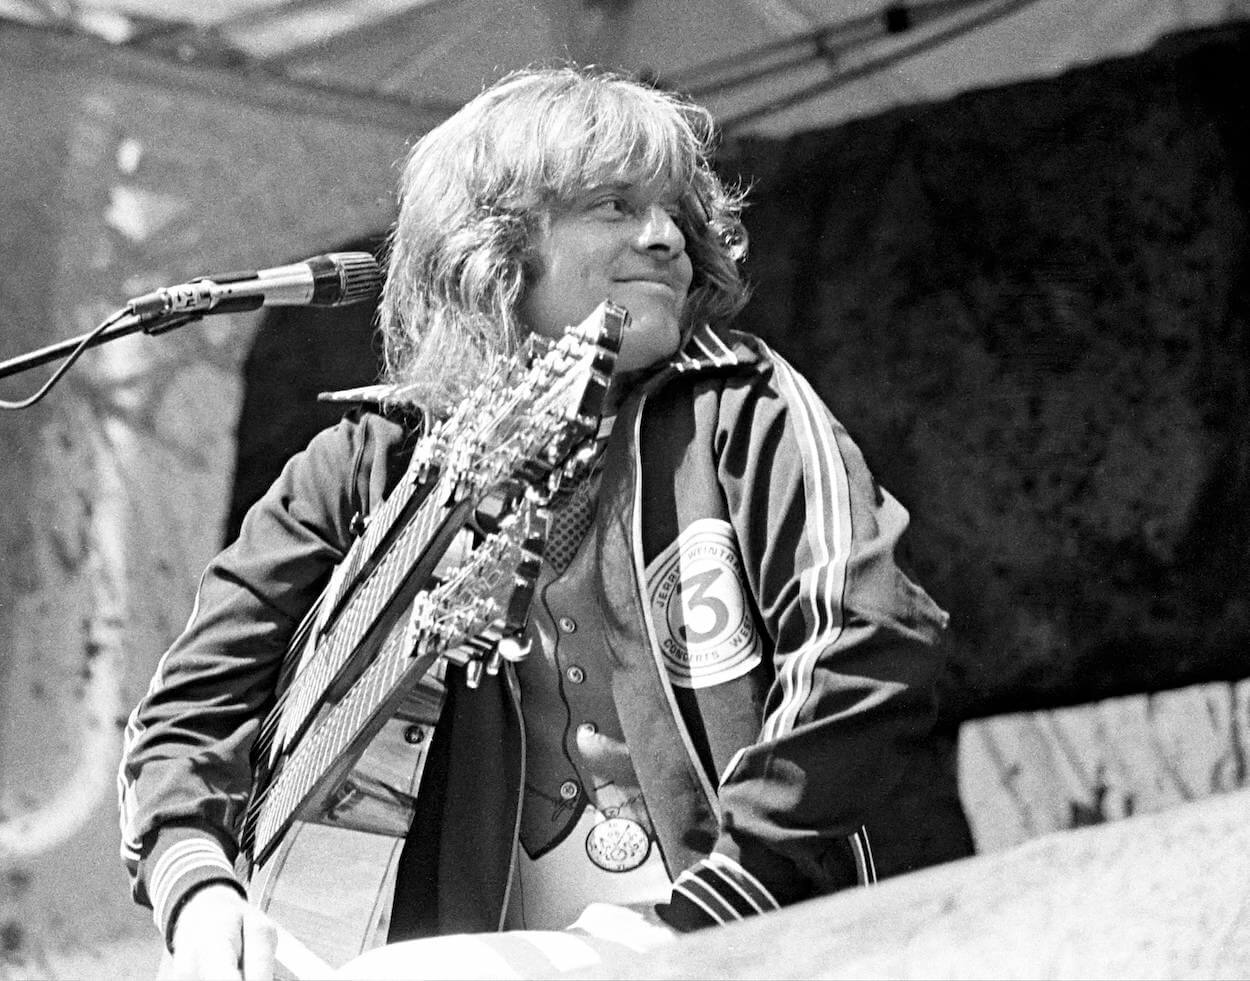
x=612, y=205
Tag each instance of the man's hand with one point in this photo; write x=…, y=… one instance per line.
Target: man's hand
x=219, y=935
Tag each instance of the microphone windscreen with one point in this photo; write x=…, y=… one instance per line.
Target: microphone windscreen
x=340, y=278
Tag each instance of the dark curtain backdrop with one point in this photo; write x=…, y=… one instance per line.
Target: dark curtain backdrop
x=1030, y=306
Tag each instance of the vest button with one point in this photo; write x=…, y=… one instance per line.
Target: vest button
x=569, y=790
x=575, y=674
x=414, y=735
x=567, y=625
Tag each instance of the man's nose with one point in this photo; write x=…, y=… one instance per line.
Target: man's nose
x=659, y=232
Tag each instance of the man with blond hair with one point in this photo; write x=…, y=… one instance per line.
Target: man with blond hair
x=729, y=669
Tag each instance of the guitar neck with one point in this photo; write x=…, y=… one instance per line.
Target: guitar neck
x=460, y=620
x=510, y=442
x=332, y=745
x=368, y=549
x=373, y=606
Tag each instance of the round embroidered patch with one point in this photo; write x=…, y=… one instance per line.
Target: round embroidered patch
x=618, y=844
x=698, y=604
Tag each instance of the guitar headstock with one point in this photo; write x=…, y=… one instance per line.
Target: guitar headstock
x=531, y=413
x=474, y=615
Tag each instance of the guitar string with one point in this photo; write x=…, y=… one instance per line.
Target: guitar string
x=505, y=410
x=321, y=747
x=329, y=739
x=368, y=542
x=471, y=565
x=343, y=633
x=307, y=756
x=314, y=675
x=488, y=559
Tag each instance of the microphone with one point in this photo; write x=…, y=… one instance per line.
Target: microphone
x=331, y=280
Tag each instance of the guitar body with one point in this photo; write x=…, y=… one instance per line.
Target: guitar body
x=330, y=879
x=330, y=887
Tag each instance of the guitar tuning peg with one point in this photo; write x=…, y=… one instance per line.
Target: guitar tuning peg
x=473, y=673
x=493, y=662
x=513, y=650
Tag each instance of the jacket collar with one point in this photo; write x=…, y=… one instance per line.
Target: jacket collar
x=708, y=348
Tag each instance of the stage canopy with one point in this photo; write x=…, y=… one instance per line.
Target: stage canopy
x=764, y=66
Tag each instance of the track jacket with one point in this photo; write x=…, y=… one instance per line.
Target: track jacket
x=772, y=667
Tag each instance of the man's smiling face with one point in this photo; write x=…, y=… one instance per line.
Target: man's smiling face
x=618, y=242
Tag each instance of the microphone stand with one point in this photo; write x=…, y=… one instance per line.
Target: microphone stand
x=119, y=324
x=324, y=280
x=128, y=325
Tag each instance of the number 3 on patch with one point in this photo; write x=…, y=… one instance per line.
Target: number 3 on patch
x=698, y=604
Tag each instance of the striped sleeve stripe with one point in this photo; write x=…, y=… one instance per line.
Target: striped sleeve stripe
x=724, y=889
x=865, y=868
x=192, y=859
x=828, y=531
x=702, y=347
x=707, y=899
x=742, y=882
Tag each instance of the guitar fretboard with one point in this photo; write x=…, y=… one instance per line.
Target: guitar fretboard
x=390, y=583
x=475, y=606
x=366, y=604
x=510, y=442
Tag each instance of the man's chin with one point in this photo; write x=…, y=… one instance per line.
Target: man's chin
x=642, y=350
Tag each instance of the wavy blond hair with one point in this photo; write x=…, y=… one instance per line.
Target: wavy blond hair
x=477, y=189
